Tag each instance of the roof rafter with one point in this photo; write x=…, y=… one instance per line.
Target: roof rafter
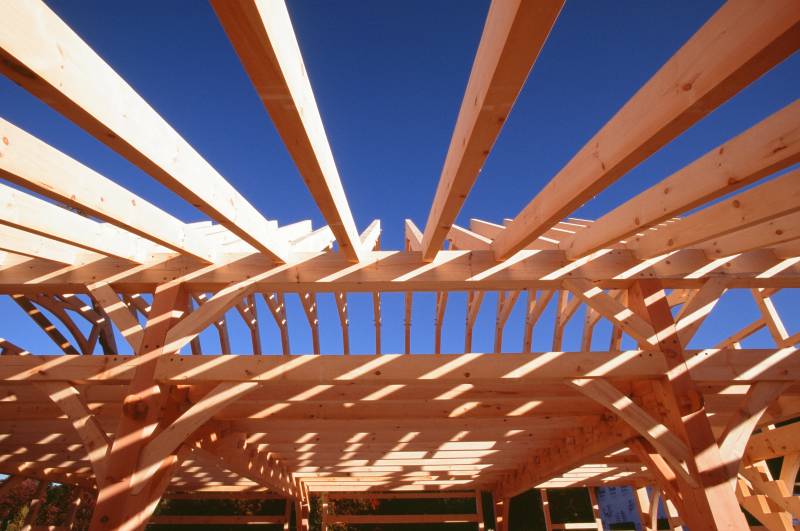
x=513, y=36
x=658, y=112
x=263, y=37
x=108, y=108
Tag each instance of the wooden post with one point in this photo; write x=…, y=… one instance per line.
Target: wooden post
x=324, y=511
x=117, y=506
x=500, y=512
x=479, y=510
x=74, y=507
x=301, y=515
x=643, y=506
x=287, y=515
x=710, y=503
x=35, y=506
x=595, y=509
x=548, y=521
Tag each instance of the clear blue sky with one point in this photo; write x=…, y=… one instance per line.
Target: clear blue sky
x=388, y=78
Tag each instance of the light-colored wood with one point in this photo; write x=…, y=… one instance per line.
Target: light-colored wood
x=309, y=301
x=513, y=36
x=26, y=243
x=672, y=100
x=669, y=445
x=263, y=37
x=413, y=236
x=108, y=108
x=505, y=303
x=767, y=147
x=29, y=162
x=474, y=300
x=548, y=521
x=28, y=213
x=126, y=322
x=277, y=307
x=35, y=506
x=341, y=308
x=709, y=366
x=95, y=440
x=396, y=271
x=774, y=199
x=613, y=310
x=537, y=302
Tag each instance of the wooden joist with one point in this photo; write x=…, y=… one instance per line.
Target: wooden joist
x=29, y=162
x=263, y=37
x=747, y=41
x=765, y=148
x=43, y=55
x=28, y=213
x=513, y=36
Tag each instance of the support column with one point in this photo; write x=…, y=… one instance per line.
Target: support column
x=595, y=509
x=122, y=503
x=643, y=504
x=548, y=521
x=324, y=511
x=74, y=507
x=501, y=512
x=301, y=511
x=479, y=510
x=35, y=506
x=706, y=499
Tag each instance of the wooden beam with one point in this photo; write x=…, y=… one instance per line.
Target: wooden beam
x=341, y=308
x=537, y=302
x=309, y=302
x=655, y=115
x=765, y=148
x=669, y=445
x=28, y=213
x=26, y=243
x=461, y=238
x=318, y=240
x=95, y=440
x=29, y=162
x=409, y=302
x=441, y=307
x=263, y=37
x=133, y=129
x=45, y=324
x=740, y=426
x=121, y=315
x=774, y=199
x=613, y=310
x=277, y=307
x=144, y=407
x=711, y=502
x=399, y=272
x=232, y=452
x=176, y=433
x=707, y=366
x=513, y=36
x=376, y=312
x=474, y=300
x=771, y=317
x=413, y=236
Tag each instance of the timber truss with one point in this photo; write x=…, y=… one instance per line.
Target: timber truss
x=104, y=272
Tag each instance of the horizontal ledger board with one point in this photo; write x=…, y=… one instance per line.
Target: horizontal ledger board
x=398, y=271
x=710, y=365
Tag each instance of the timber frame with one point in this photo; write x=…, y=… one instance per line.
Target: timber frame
x=105, y=273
